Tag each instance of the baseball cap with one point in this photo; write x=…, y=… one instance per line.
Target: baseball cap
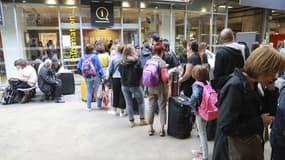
x=155, y=37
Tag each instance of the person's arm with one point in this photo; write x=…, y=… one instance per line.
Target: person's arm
x=187, y=74
x=194, y=99
x=78, y=66
x=44, y=74
x=219, y=66
x=98, y=68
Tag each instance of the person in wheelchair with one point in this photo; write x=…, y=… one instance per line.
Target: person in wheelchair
x=27, y=77
x=49, y=84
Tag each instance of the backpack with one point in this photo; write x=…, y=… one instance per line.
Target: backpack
x=87, y=68
x=150, y=76
x=8, y=96
x=207, y=109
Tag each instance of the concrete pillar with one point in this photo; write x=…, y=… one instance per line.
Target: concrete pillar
x=12, y=39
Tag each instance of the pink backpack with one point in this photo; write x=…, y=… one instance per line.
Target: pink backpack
x=207, y=109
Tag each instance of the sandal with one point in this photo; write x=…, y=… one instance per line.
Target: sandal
x=151, y=132
x=162, y=133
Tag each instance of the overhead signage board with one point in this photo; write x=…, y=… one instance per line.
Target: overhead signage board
x=102, y=15
x=276, y=4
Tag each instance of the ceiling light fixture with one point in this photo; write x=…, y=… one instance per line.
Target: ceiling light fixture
x=143, y=5
x=125, y=4
x=223, y=6
x=51, y=2
x=70, y=2
x=24, y=1
x=203, y=10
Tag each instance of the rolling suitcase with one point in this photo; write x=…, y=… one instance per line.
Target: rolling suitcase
x=174, y=84
x=83, y=91
x=179, y=117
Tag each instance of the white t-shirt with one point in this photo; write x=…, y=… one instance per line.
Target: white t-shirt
x=31, y=73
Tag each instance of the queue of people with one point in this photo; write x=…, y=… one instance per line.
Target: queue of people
x=247, y=96
x=249, y=100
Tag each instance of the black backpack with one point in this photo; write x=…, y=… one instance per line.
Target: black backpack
x=9, y=95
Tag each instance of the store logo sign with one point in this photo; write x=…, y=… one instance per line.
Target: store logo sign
x=102, y=15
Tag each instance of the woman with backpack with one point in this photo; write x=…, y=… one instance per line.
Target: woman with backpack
x=158, y=92
x=131, y=72
x=89, y=67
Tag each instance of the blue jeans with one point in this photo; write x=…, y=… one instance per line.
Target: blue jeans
x=89, y=89
x=130, y=93
x=201, y=125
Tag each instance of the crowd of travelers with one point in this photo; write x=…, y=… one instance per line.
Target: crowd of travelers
x=249, y=84
x=243, y=79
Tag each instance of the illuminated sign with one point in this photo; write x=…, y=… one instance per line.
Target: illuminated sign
x=102, y=14
x=72, y=32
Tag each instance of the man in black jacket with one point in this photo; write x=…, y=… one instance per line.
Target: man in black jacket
x=49, y=84
x=228, y=57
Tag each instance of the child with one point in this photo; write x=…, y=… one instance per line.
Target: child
x=199, y=73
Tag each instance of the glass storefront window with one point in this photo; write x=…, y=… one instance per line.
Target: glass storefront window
x=155, y=19
x=201, y=6
x=70, y=27
x=198, y=26
x=179, y=31
x=39, y=24
x=130, y=15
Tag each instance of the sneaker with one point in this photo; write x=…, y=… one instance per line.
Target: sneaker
x=132, y=124
x=197, y=158
x=59, y=101
x=89, y=109
x=196, y=153
x=143, y=122
x=112, y=112
x=123, y=114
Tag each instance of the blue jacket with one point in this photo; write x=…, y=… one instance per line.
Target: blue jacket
x=95, y=62
x=278, y=124
x=196, y=97
x=114, y=66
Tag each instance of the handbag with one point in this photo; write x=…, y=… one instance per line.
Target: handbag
x=245, y=148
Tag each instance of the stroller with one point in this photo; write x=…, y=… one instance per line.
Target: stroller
x=9, y=95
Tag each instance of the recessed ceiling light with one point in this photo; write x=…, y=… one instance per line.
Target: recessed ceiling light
x=51, y=1
x=125, y=4
x=142, y=5
x=24, y=1
x=70, y=2
x=203, y=10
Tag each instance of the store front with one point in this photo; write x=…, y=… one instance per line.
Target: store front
x=66, y=28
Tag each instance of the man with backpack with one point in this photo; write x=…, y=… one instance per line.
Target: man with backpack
x=89, y=67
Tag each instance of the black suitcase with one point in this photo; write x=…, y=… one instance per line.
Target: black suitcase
x=67, y=80
x=179, y=117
